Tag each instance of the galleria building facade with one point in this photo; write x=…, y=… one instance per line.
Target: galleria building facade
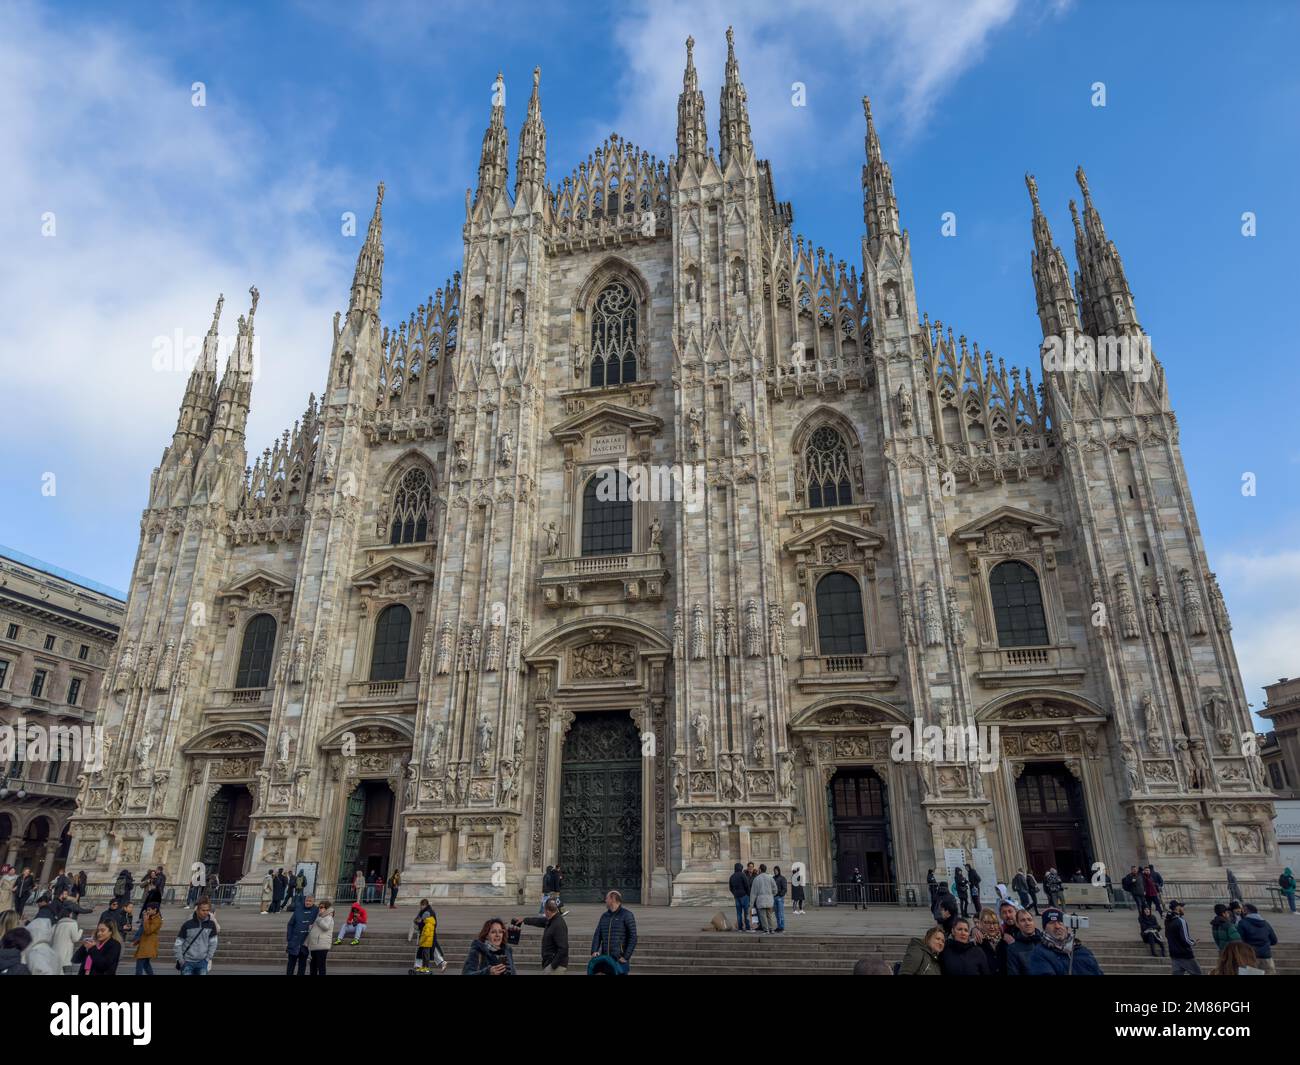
x=628, y=549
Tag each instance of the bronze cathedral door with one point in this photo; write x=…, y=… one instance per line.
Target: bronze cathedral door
x=600, y=808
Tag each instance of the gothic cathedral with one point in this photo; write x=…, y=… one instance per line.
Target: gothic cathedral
x=638, y=546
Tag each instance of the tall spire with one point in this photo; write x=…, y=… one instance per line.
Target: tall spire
x=368, y=279
x=879, y=206
x=733, y=118
x=236, y=391
x=530, y=176
x=195, y=417
x=1056, y=309
x=494, y=161
x=1104, y=295
x=692, y=134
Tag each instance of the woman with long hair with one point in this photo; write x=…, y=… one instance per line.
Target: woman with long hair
x=1233, y=957
x=99, y=954
x=489, y=954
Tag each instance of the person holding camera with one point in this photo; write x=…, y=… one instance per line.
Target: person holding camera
x=1058, y=953
x=98, y=954
x=196, y=941
x=489, y=954
x=555, y=938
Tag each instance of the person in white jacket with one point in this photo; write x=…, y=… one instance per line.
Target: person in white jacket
x=319, y=938
x=762, y=894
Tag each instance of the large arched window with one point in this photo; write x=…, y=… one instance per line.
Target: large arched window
x=826, y=460
x=255, y=655
x=841, y=629
x=392, y=637
x=606, y=515
x=1017, y=605
x=411, y=505
x=613, y=336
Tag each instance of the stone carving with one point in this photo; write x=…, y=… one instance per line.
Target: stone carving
x=1176, y=842
x=428, y=848
x=144, y=751
x=1216, y=714
x=485, y=732
x=705, y=846
x=728, y=784
x=956, y=623
x=433, y=750
x=552, y=540
x=506, y=449
x=733, y=632
x=1151, y=719
x=753, y=629
x=1193, y=610
x=930, y=612
x=492, y=660
x=905, y=614
x=594, y=661
x=1218, y=607
x=656, y=532
x=696, y=420
x=699, y=638
x=719, y=632
x=758, y=729
x=164, y=679
x=1245, y=839
x=512, y=645
x=679, y=634
x=679, y=778
x=444, y=648
x=461, y=459
x=1128, y=617
x=776, y=630
x=904, y=405
x=701, y=723
x=743, y=433
x=1131, y=767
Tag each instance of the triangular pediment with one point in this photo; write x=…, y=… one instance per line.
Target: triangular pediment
x=606, y=415
x=390, y=568
x=256, y=580
x=1038, y=524
x=834, y=530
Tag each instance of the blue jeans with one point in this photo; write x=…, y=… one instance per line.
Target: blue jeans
x=1290, y=898
x=778, y=904
x=742, y=912
x=143, y=967
x=195, y=968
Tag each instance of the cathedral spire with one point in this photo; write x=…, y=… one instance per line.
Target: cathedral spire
x=1056, y=309
x=1103, y=285
x=733, y=119
x=196, y=407
x=879, y=206
x=236, y=391
x=692, y=134
x=368, y=279
x=530, y=174
x=494, y=161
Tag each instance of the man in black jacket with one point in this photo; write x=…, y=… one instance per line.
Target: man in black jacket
x=1181, y=955
x=23, y=890
x=781, y=887
x=615, y=933
x=117, y=914
x=555, y=939
x=738, y=885
x=963, y=889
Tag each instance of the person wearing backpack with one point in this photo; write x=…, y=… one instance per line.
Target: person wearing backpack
x=1287, y=883
x=123, y=887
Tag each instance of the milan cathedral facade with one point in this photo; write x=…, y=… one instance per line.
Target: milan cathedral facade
x=630, y=549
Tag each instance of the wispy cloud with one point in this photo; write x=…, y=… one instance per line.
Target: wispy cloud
x=1263, y=595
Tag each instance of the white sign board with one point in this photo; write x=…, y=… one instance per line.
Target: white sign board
x=982, y=859
x=952, y=858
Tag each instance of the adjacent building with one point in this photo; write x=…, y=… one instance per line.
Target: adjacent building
x=57, y=637
x=637, y=546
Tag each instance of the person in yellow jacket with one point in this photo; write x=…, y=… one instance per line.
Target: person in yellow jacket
x=427, y=923
x=146, y=942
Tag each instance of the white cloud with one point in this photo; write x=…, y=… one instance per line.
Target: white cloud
x=158, y=206
x=1263, y=596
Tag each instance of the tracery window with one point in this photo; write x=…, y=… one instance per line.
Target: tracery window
x=826, y=460
x=255, y=654
x=1017, y=605
x=841, y=628
x=606, y=522
x=411, y=505
x=392, y=636
x=613, y=336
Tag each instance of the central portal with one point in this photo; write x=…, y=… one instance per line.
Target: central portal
x=600, y=808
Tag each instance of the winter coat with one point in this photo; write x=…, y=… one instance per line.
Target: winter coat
x=1149, y=887
x=1257, y=933
x=992, y=956
x=147, y=945
x=8, y=891
x=195, y=941
x=920, y=960
x=738, y=885
x=11, y=963
x=320, y=935
x=428, y=931
x=103, y=958
x=963, y=959
x=1070, y=958
x=959, y=880
x=123, y=887
x=1018, y=883
x=780, y=885
x=1180, y=943
x=615, y=934
x=299, y=925
x=1224, y=932
x=763, y=891
x=1150, y=927
x=481, y=958
x=1017, y=954
x=555, y=940
x=356, y=915
x=1286, y=882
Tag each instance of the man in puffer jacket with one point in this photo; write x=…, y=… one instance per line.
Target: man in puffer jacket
x=1182, y=956
x=1015, y=955
x=1258, y=933
x=615, y=935
x=1058, y=953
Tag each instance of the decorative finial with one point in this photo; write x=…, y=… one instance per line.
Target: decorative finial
x=731, y=41
x=379, y=198
x=216, y=315
x=537, y=76
x=1082, y=179
x=252, y=291
x=866, y=107
x=690, y=47
x=1032, y=185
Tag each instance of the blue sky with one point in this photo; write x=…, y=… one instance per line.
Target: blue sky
x=160, y=205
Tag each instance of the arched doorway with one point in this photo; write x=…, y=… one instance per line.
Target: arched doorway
x=35, y=840
x=600, y=808
x=1053, y=820
x=225, y=840
x=860, y=833
x=367, y=832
